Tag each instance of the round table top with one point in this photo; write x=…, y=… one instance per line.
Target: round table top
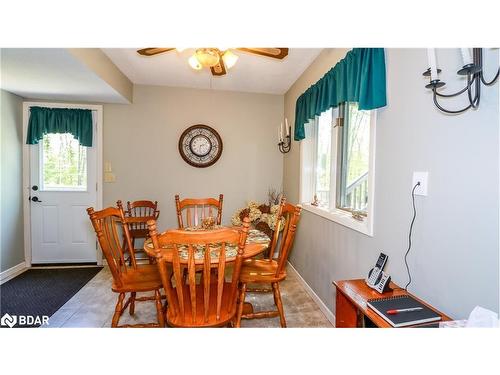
x=256, y=243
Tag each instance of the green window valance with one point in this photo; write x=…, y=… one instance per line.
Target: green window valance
x=358, y=77
x=44, y=120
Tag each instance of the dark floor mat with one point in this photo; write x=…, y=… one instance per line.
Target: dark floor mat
x=39, y=292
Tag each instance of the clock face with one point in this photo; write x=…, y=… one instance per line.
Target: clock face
x=200, y=146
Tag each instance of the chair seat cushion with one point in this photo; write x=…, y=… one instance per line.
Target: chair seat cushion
x=144, y=278
x=177, y=319
x=260, y=270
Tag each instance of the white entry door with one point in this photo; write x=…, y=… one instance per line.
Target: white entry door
x=63, y=184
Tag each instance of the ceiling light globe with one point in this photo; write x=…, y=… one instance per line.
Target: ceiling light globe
x=207, y=57
x=194, y=63
x=229, y=59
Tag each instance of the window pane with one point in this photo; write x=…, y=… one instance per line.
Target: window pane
x=355, y=146
x=64, y=163
x=324, y=157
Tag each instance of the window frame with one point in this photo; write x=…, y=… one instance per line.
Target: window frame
x=307, y=183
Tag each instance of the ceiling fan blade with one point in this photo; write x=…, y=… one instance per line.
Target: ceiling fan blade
x=219, y=69
x=153, y=51
x=276, y=53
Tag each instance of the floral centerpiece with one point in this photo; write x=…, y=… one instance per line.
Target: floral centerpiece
x=262, y=216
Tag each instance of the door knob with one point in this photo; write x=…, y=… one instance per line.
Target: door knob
x=35, y=199
x=35, y=187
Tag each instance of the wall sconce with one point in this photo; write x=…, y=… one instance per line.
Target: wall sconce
x=285, y=143
x=472, y=68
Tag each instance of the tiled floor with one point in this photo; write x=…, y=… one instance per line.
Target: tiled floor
x=94, y=304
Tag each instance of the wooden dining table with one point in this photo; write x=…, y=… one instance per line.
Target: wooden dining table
x=257, y=242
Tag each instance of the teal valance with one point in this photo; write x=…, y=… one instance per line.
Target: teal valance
x=358, y=77
x=60, y=120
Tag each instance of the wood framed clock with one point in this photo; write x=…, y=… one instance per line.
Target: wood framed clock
x=200, y=146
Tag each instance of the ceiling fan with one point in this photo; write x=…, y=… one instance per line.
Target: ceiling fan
x=217, y=59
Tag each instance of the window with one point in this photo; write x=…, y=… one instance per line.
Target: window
x=337, y=166
x=64, y=163
x=353, y=160
x=324, y=159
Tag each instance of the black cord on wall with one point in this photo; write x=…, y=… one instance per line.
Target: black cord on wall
x=410, y=232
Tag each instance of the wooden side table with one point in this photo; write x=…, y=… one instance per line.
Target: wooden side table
x=351, y=310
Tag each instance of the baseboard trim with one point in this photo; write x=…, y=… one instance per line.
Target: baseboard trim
x=324, y=309
x=12, y=272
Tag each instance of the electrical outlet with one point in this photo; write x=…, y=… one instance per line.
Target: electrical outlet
x=421, y=177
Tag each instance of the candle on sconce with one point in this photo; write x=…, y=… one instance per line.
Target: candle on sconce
x=466, y=56
x=287, y=127
x=281, y=132
x=431, y=56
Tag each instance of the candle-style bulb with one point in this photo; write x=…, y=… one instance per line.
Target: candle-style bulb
x=431, y=56
x=466, y=56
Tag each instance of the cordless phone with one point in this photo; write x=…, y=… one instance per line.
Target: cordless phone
x=377, y=278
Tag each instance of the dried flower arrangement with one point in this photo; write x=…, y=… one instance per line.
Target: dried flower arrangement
x=274, y=196
x=262, y=217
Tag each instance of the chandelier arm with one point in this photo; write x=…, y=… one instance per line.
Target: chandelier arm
x=445, y=110
x=452, y=95
x=474, y=102
x=492, y=81
x=478, y=61
x=478, y=86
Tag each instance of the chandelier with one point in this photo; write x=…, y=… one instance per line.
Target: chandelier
x=210, y=57
x=472, y=68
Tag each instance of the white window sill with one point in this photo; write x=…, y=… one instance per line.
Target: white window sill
x=342, y=218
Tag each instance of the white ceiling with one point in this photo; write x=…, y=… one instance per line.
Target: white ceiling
x=52, y=74
x=252, y=73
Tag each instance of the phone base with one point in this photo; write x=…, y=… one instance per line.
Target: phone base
x=382, y=284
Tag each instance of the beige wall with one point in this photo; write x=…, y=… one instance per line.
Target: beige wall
x=140, y=140
x=11, y=208
x=454, y=257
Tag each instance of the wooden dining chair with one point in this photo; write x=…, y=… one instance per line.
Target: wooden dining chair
x=195, y=210
x=206, y=299
x=137, y=214
x=270, y=271
x=126, y=279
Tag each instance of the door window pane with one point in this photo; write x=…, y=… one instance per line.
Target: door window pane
x=63, y=163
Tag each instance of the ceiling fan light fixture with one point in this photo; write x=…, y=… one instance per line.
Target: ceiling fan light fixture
x=219, y=60
x=194, y=63
x=207, y=57
x=229, y=59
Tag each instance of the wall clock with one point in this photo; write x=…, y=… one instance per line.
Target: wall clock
x=200, y=146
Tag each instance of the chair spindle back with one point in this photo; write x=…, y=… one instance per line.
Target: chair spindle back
x=284, y=234
x=192, y=211
x=211, y=299
x=107, y=224
x=141, y=210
